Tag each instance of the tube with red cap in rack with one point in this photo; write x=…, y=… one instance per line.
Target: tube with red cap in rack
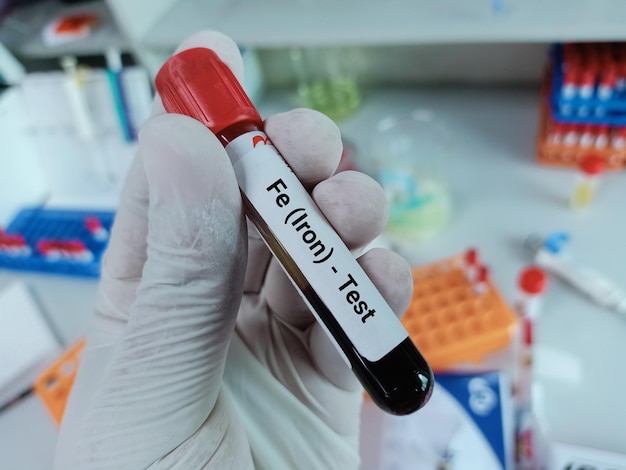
x=602, y=137
x=13, y=245
x=587, y=137
x=556, y=133
x=470, y=264
x=366, y=332
x=571, y=135
x=96, y=229
x=480, y=284
x=618, y=139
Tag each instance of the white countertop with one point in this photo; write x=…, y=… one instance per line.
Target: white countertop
x=500, y=196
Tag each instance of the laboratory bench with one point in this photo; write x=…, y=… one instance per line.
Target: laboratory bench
x=500, y=196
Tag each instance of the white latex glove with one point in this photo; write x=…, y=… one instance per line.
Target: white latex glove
x=202, y=354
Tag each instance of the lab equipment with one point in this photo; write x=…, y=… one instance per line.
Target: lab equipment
x=565, y=145
x=362, y=326
x=408, y=157
x=326, y=79
x=591, y=167
x=84, y=122
x=53, y=386
x=549, y=254
x=54, y=241
x=584, y=105
x=584, y=82
x=116, y=84
x=449, y=321
x=69, y=28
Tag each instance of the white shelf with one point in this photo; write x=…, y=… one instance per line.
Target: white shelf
x=277, y=23
x=21, y=31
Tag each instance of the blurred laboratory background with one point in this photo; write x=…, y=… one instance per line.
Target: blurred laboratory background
x=497, y=129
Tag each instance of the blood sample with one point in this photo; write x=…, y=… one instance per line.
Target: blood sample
x=368, y=335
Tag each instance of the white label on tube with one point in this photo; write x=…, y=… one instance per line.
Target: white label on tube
x=326, y=263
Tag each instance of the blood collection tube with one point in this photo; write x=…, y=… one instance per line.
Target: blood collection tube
x=556, y=134
x=587, y=137
x=14, y=245
x=587, y=83
x=621, y=76
x=368, y=335
x=480, y=283
x=75, y=250
x=591, y=167
x=49, y=249
x=531, y=285
x=470, y=264
x=602, y=137
x=571, y=135
x=570, y=54
x=618, y=139
x=96, y=229
x=571, y=72
x=569, y=88
x=608, y=83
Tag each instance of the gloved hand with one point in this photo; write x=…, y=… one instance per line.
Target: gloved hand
x=202, y=354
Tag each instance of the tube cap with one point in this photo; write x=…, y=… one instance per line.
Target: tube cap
x=471, y=257
x=196, y=83
x=592, y=165
x=532, y=280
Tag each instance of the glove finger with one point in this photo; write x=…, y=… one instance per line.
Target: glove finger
x=229, y=53
x=221, y=44
x=309, y=141
x=196, y=243
x=124, y=260
x=356, y=207
x=391, y=275
x=168, y=365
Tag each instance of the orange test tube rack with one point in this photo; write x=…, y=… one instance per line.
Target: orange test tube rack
x=449, y=322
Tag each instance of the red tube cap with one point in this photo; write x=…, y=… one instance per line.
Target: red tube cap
x=532, y=280
x=592, y=165
x=471, y=257
x=196, y=83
